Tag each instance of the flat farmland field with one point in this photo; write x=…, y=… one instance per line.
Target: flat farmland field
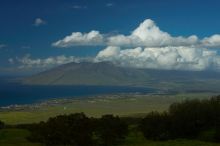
x=122, y=105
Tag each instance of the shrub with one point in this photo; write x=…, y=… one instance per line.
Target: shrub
x=188, y=119
x=217, y=134
x=79, y=130
x=111, y=130
x=156, y=126
x=74, y=129
x=2, y=125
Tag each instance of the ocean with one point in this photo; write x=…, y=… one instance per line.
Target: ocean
x=14, y=93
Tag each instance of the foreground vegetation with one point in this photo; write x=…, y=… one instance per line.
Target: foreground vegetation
x=189, y=119
x=15, y=137
x=191, y=122
x=18, y=137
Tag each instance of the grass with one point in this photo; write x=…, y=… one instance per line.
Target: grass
x=122, y=105
x=17, y=137
x=137, y=139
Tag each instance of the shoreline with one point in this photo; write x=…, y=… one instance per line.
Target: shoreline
x=68, y=100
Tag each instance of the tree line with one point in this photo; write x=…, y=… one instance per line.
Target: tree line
x=79, y=130
x=190, y=119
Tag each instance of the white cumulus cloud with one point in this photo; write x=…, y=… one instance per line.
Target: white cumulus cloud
x=92, y=38
x=147, y=34
x=170, y=58
x=212, y=41
x=147, y=46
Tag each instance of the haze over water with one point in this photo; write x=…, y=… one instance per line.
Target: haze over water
x=14, y=93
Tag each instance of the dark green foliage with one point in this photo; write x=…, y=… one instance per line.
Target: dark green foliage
x=217, y=134
x=2, y=125
x=207, y=135
x=156, y=126
x=79, y=130
x=38, y=132
x=188, y=119
x=74, y=129
x=111, y=130
x=192, y=117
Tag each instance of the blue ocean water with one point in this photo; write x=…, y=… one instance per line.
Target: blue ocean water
x=15, y=93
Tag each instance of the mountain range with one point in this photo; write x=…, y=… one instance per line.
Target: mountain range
x=107, y=73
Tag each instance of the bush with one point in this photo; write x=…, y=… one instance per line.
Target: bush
x=2, y=125
x=111, y=130
x=189, y=119
x=79, y=130
x=74, y=129
x=156, y=126
x=217, y=134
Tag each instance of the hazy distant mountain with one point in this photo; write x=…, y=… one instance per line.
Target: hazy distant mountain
x=87, y=73
x=105, y=73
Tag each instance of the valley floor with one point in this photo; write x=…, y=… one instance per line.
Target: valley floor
x=122, y=105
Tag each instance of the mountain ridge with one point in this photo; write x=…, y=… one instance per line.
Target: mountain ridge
x=107, y=73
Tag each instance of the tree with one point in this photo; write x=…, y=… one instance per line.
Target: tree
x=188, y=119
x=156, y=126
x=2, y=125
x=74, y=129
x=111, y=130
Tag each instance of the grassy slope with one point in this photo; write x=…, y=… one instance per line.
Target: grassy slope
x=17, y=137
x=137, y=139
x=128, y=105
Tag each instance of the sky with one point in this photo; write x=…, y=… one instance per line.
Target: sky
x=36, y=35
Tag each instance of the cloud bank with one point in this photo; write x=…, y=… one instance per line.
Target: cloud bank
x=145, y=47
x=147, y=34
x=169, y=58
x=28, y=62
x=213, y=41
x=149, y=47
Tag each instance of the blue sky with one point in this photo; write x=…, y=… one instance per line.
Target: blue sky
x=20, y=35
